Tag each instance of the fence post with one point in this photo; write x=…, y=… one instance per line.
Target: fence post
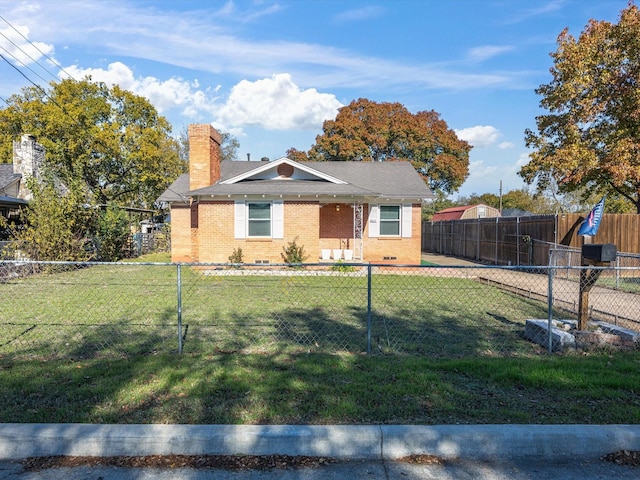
x=179, y=271
x=550, y=308
x=369, y=309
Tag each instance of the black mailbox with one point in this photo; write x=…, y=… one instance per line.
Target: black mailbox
x=605, y=252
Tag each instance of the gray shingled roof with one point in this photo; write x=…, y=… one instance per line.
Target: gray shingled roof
x=7, y=177
x=363, y=179
x=177, y=190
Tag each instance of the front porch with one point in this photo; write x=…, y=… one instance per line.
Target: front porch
x=341, y=229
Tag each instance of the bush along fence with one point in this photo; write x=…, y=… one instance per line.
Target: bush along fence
x=81, y=310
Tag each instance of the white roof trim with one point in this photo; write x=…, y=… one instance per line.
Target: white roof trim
x=271, y=165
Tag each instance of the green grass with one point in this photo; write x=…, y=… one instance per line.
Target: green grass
x=129, y=309
x=322, y=389
x=288, y=350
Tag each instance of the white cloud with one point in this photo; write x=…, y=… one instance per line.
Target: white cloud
x=359, y=14
x=277, y=103
x=164, y=95
x=505, y=145
x=479, y=136
x=207, y=40
x=14, y=44
x=480, y=54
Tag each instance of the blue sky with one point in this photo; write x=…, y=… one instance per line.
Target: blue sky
x=271, y=71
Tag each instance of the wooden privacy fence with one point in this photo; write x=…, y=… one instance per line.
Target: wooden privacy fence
x=524, y=240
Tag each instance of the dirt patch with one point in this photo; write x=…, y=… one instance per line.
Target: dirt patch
x=422, y=460
x=624, y=457
x=224, y=462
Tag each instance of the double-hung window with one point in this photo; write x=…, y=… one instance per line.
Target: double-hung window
x=389, y=220
x=258, y=219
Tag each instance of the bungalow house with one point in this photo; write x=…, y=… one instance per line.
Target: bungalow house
x=354, y=211
x=466, y=212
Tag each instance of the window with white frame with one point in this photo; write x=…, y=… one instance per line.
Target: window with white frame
x=389, y=220
x=259, y=219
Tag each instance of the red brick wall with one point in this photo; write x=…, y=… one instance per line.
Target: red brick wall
x=336, y=227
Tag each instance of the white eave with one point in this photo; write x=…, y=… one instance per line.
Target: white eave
x=274, y=165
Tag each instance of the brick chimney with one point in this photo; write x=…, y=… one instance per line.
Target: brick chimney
x=204, y=156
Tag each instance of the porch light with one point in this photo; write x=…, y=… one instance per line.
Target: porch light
x=337, y=207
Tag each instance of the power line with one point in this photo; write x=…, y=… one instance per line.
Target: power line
x=36, y=47
x=23, y=64
x=42, y=90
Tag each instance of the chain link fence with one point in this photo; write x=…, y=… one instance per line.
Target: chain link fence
x=82, y=310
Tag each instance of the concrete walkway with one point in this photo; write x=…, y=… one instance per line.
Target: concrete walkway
x=473, y=451
x=361, y=442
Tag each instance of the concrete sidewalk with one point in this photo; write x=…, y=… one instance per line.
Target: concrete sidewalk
x=485, y=452
x=347, y=442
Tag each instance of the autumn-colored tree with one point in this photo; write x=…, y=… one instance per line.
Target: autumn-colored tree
x=590, y=139
x=110, y=140
x=368, y=131
x=297, y=155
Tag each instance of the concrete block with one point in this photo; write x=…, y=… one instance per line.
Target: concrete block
x=623, y=333
x=537, y=331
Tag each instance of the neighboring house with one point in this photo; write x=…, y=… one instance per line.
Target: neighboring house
x=360, y=211
x=466, y=212
x=28, y=156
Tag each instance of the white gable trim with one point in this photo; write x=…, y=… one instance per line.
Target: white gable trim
x=265, y=166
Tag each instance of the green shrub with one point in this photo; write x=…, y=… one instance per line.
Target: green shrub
x=293, y=253
x=340, y=267
x=237, y=256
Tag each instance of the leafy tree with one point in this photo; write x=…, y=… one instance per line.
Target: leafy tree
x=297, y=155
x=523, y=199
x=370, y=131
x=439, y=203
x=112, y=233
x=111, y=140
x=590, y=139
x=55, y=224
x=489, y=199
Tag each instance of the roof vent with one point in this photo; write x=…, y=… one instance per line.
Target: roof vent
x=265, y=159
